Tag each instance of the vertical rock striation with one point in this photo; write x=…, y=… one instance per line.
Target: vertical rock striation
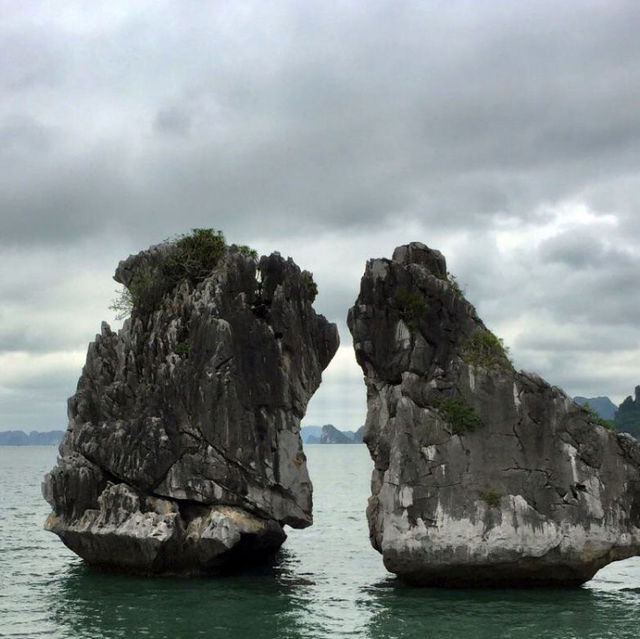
x=483, y=475
x=183, y=449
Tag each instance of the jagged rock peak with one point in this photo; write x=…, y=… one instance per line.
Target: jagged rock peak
x=183, y=449
x=483, y=475
x=418, y=253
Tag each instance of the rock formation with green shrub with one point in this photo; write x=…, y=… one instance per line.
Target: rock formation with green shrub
x=183, y=451
x=483, y=475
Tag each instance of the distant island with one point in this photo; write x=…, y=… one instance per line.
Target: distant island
x=34, y=438
x=625, y=418
x=329, y=434
x=602, y=405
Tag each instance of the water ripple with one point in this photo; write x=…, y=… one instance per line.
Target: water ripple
x=326, y=582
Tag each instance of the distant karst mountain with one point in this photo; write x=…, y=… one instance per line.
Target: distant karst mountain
x=329, y=434
x=311, y=434
x=34, y=438
x=627, y=417
x=602, y=405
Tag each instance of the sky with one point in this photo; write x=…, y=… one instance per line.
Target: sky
x=505, y=134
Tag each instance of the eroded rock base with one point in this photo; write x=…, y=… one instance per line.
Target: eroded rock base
x=144, y=534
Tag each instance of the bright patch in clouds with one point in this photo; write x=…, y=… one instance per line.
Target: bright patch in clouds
x=555, y=220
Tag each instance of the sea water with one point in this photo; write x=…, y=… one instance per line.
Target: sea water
x=327, y=581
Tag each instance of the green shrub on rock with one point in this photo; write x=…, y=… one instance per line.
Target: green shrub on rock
x=189, y=257
x=248, y=251
x=462, y=417
x=193, y=256
x=491, y=498
x=483, y=348
x=181, y=348
x=309, y=286
x=594, y=417
x=412, y=305
x=122, y=305
x=145, y=291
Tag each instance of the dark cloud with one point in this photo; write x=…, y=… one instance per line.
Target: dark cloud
x=172, y=121
x=328, y=115
x=579, y=340
x=504, y=133
x=584, y=248
x=23, y=135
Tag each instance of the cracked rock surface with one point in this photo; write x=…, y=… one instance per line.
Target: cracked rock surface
x=483, y=475
x=183, y=450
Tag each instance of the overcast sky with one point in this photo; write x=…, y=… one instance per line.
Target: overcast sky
x=506, y=134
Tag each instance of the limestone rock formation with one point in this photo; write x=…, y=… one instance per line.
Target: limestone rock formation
x=483, y=475
x=183, y=451
x=331, y=435
x=627, y=417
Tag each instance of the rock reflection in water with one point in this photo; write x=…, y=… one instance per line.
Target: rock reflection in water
x=261, y=604
x=326, y=582
x=401, y=612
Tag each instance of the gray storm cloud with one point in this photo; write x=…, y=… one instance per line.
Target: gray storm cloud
x=503, y=133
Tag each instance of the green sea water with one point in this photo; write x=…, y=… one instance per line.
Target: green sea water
x=326, y=582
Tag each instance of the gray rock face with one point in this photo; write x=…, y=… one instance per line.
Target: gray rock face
x=183, y=450
x=483, y=475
